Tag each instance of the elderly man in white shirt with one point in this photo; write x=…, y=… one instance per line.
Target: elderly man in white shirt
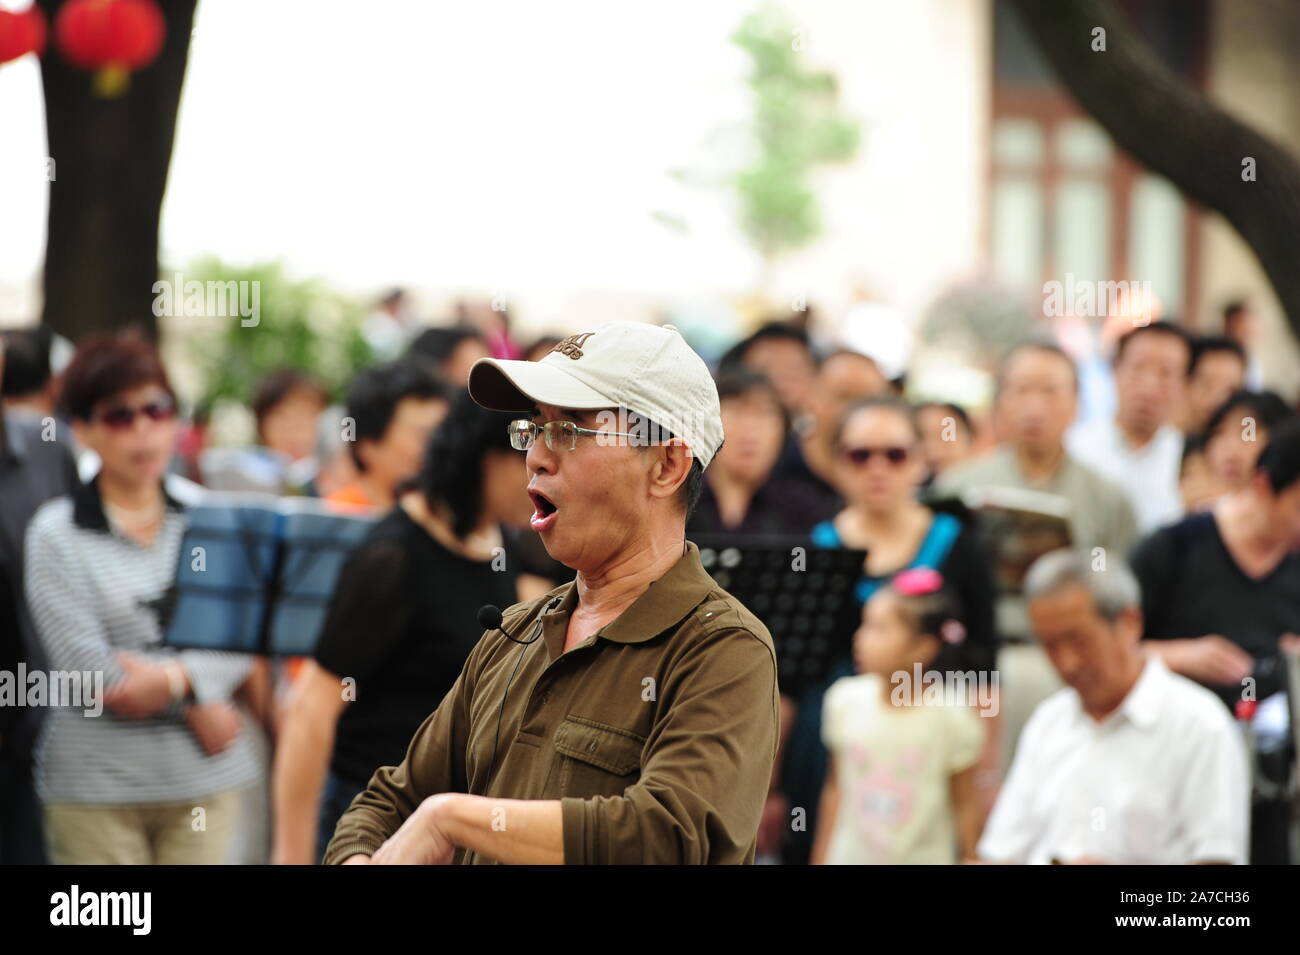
x=1130, y=763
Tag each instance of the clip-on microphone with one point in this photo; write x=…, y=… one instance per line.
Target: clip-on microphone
x=489, y=618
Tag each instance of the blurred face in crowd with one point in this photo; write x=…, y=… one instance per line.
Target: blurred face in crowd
x=788, y=366
x=884, y=643
x=505, y=489
x=843, y=379
x=1196, y=486
x=1216, y=376
x=1233, y=450
x=457, y=365
x=134, y=434
x=1241, y=327
x=399, y=453
x=878, y=463
x=1281, y=508
x=945, y=440
x=290, y=426
x=1038, y=400
x=755, y=430
x=590, y=503
x=1091, y=654
x=1149, y=381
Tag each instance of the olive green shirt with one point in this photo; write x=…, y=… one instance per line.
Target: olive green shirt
x=657, y=734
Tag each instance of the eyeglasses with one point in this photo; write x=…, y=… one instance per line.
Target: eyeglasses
x=121, y=417
x=559, y=434
x=859, y=457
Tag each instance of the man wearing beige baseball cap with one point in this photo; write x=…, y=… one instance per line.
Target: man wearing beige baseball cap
x=642, y=727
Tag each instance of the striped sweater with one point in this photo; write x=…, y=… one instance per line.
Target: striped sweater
x=94, y=593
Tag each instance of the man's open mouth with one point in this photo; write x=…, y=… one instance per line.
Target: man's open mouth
x=544, y=511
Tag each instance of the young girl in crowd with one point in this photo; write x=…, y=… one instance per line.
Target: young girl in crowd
x=901, y=782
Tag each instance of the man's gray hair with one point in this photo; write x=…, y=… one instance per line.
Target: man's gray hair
x=1114, y=589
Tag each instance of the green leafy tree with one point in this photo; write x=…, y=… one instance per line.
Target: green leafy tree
x=796, y=127
x=302, y=325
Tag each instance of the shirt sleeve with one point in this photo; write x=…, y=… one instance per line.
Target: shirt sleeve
x=215, y=675
x=1213, y=795
x=368, y=613
x=705, y=774
x=1121, y=529
x=970, y=572
x=1154, y=565
x=831, y=706
x=965, y=738
x=434, y=763
x=58, y=597
x=1011, y=830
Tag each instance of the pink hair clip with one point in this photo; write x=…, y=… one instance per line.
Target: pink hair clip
x=952, y=631
x=917, y=582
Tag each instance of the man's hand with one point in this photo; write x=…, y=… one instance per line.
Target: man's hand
x=1208, y=659
x=216, y=725
x=143, y=690
x=359, y=859
x=422, y=839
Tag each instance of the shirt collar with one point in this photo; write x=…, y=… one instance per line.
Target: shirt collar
x=88, y=506
x=664, y=604
x=1012, y=463
x=1141, y=706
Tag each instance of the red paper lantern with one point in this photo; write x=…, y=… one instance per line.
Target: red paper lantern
x=21, y=33
x=112, y=37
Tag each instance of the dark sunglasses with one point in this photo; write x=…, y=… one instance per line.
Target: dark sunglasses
x=121, y=417
x=860, y=456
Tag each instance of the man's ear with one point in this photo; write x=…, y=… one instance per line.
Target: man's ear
x=1129, y=624
x=1259, y=483
x=673, y=464
x=363, y=455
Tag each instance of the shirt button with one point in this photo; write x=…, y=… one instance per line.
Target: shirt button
x=591, y=747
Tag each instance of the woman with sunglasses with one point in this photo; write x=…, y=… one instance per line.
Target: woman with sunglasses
x=157, y=775
x=879, y=465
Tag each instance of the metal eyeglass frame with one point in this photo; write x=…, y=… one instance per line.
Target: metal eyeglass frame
x=523, y=433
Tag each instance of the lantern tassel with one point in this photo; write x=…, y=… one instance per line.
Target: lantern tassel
x=111, y=81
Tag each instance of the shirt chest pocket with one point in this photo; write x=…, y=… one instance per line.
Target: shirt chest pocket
x=596, y=759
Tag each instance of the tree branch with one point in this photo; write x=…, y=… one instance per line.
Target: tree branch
x=1170, y=128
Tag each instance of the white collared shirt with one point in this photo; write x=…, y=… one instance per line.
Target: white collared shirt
x=1162, y=780
x=1148, y=475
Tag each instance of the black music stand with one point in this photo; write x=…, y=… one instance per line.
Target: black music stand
x=804, y=594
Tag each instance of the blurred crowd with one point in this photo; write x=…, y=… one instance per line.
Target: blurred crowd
x=1110, y=542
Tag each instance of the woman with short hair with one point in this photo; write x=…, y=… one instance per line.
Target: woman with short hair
x=157, y=776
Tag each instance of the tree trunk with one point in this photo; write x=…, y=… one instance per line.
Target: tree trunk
x=1173, y=130
x=110, y=171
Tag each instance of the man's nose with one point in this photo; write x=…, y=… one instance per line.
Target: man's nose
x=539, y=458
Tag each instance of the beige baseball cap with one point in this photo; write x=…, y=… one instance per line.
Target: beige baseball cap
x=647, y=369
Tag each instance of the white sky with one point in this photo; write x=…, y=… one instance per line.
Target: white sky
x=507, y=145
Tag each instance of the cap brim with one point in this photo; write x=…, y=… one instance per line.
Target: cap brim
x=501, y=384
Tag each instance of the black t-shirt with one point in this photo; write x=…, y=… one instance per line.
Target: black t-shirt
x=782, y=505
x=402, y=620
x=1191, y=587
